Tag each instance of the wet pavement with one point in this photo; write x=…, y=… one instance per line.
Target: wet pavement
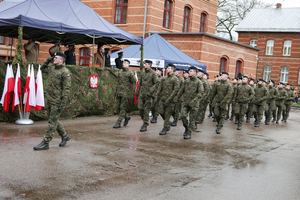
x=100, y=162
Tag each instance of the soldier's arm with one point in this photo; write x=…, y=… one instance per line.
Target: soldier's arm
x=157, y=94
x=265, y=96
x=176, y=86
x=251, y=96
x=292, y=96
x=45, y=67
x=228, y=95
x=29, y=46
x=66, y=84
x=154, y=81
x=180, y=92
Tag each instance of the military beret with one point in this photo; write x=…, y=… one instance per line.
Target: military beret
x=288, y=84
x=234, y=79
x=240, y=78
x=272, y=81
x=251, y=79
x=260, y=80
x=148, y=61
x=186, y=71
x=245, y=76
x=120, y=53
x=171, y=65
x=280, y=83
x=193, y=67
x=225, y=73
x=178, y=69
x=201, y=70
x=71, y=44
x=61, y=55
x=125, y=60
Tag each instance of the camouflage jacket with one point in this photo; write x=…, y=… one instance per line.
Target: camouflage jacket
x=168, y=88
x=261, y=95
x=281, y=96
x=234, y=87
x=147, y=83
x=126, y=83
x=272, y=95
x=243, y=94
x=191, y=92
x=222, y=93
x=290, y=97
x=207, y=89
x=59, y=83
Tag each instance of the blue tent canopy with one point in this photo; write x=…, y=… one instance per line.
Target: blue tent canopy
x=156, y=47
x=66, y=20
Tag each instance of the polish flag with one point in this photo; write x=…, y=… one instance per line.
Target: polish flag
x=39, y=91
x=17, y=90
x=26, y=88
x=8, y=88
x=30, y=100
x=136, y=88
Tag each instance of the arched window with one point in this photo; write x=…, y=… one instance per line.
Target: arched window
x=269, y=48
x=287, y=48
x=203, y=22
x=223, y=64
x=167, y=13
x=121, y=11
x=284, y=74
x=84, y=59
x=238, y=67
x=186, y=19
x=267, y=73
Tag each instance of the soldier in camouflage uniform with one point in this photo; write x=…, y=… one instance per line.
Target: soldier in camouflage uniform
x=270, y=106
x=259, y=101
x=167, y=90
x=124, y=92
x=191, y=92
x=234, y=86
x=154, y=106
x=210, y=100
x=145, y=91
x=221, y=96
x=288, y=102
x=242, y=96
x=279, y=101
x=186, y=74
x=250, y=105
x=59, y=83
x=177, y=108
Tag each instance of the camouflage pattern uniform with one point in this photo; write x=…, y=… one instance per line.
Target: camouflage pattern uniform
x=243, y=95
x=59, y=83
x=259, y=101
x=177, y=108
x=288, y=104
x=146, y=89
x=271, y=107
x=250, y=107
x=191, y=92
x=204, y=100
x=124, y=92
x=211, y=108
x=154, y=105
x=279, y=101
x=221, y=96
x=233, y=103
x=167, y=90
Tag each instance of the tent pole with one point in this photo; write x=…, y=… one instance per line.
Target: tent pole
x=142, y=58
x=11, y=45
x=93, y=50
x=145, y=18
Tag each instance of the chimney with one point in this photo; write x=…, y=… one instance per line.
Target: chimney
x=278, y=5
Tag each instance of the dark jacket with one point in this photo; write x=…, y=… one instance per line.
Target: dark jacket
x=119, y=63
x=71, y=58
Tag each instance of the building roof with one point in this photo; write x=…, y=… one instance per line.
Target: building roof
x=271, y=20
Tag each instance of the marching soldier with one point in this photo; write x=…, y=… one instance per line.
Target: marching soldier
x=167, y=90
x=234, y=86
x=124, y=92
x=270, y=104
x=154, y=106
x=205, y=98
x=210, y=99
x=288, y=102
x=146, y=89
x=259, y=100
x=279, y=101
x=191, y=92
x=177, y=108
x=250, y=105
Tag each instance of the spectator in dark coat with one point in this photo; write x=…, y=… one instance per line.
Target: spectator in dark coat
x=70, y=53
x=107, y=57
x=118, y=60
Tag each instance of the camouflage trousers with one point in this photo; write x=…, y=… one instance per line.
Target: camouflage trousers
x=240, y=109
x=122, y=104
x=220, y=111
x=270, y=111
x=177, y=111
x=191, y=112
x=54, y=112
x=210, y=109
x=286, y=111
x=232, y=109
x=154, y=109
x=250, y=111
x=165, y=112
x=144, y=105
x=202, y=110
x=258, y=112
x=278, y=113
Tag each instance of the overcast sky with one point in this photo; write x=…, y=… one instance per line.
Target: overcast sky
x=285, y=3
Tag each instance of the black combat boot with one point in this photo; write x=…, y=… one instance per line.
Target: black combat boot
x=227, y=117
x=209, y=115
x=117, y=125
x=236, y=121
x=231, y=119
x=126, y=121
x=214, y=120
x=277, y=122
x=179, y=118
x=200, y=121
x=64, y=140
x=153, y=120
x=42, y=146
x=239, y=127
x=168, y=128
x=218, y=131
x=143, y=128
x=267, y=123
x=257, y=124
x=163, y=132
x=247, y=120
x=174, y=123
x=273, y=121
x=187, y=136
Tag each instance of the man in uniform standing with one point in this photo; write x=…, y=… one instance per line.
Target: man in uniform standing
x=167, y=90
x=107, y=57
x=146, y=91
x=177, y=108
x=124, y=92
x=221, y=96
x=288, y=102
x=279, y=101
x=118, y=60
x=270, y=106
x=31, y=51
x=56, y=48
x=191, y=92
x=259, y=100
x=154, y=106
x=59, y=83
x=70, y=53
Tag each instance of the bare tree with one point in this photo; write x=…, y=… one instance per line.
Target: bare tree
x=232, y=12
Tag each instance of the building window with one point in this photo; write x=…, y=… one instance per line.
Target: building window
x=2, y=57
x=269, y=49
x=10, y=41
x=267, y=73
x=238, y=68
x=299, y=77
x=2, y=40
x=167, y=13
x=202, y=22
x=287, y=48
x=223, y=64
x=121, y=11
x=284, y=74
x=253, y=43
x=84, y=59
x=186, y=19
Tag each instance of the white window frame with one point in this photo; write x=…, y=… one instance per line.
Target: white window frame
x=287, y=47
x=284, y=74
x=269, y=47
x=253, y=43
x=267, y=73
x=299, y=77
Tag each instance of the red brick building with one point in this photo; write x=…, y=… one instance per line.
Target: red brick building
x=277, y=33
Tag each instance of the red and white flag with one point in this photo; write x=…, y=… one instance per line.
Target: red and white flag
x=39, y=91
x=26, y=88
x=136, y=88
x=17, y=89
x=8, y=88
x=30, y=96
